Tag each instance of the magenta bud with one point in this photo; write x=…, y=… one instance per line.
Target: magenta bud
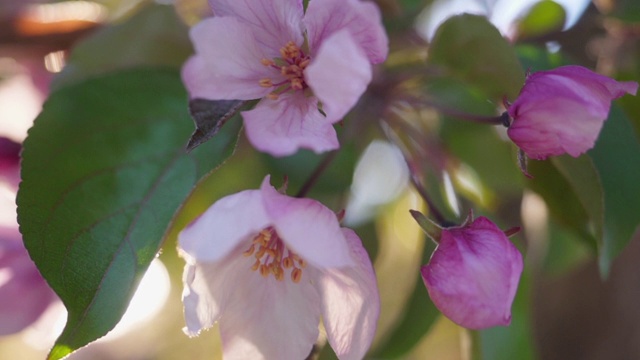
x=562, y=111
x=473, y=275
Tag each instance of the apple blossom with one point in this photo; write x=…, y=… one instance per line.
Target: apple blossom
x=309, y=68
x=562, y=110
x=266, y=267
x=473, y=275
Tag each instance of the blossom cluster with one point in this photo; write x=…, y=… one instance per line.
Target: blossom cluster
x=280, y=274
x=267, y=266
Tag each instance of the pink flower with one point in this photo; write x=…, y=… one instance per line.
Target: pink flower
x=562, y=110
x=266, y=267
x=309, y=68
x=24, y=295
x=473, y=275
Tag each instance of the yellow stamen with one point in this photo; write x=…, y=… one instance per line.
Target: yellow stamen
x=256, y=265
x=296, y=84
x=266, y=82
x=273, y=96
x=296, y=275
x=249, y=251
x=270, y=259
x=267, y=62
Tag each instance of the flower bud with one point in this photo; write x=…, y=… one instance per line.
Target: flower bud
x=473, y=275
x=562, y=110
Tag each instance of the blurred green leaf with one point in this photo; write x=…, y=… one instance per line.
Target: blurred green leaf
x=469, y=48
x=104, y=171
x=513, y=341
x=617, y=158
x=535, y=58
x=627, y=10
x=565, y=206
x=480, y=147
x=455, y=94
x=544, y=17
x=154, y=36
x=584, y=180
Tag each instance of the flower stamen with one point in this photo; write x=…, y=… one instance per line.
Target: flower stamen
x=270, y=257
x=291, y=67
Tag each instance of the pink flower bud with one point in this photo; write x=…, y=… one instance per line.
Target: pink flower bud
x=562, y=110
x=473, y=275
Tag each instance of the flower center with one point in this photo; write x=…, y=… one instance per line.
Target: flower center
x=273, y=257
x=291, y=66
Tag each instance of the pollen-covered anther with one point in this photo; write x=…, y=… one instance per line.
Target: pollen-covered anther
x=267, y=62
x=250, y=250
x=296, y=275
x=273, y=257
x=290, y=51
x=266, y=82
x=296, y=84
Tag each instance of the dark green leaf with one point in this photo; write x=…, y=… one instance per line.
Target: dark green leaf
x=469, y=48
x=210, y=116
x=617, y=158
x=155, y=36
x=104, y=171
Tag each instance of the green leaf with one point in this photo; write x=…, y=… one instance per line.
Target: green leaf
x=154, y=36
x=564, y=204
x=516, y=340
x=104, y=171
x=469, y=48
x=544, y=17
x=584, y=179
x=617, y=158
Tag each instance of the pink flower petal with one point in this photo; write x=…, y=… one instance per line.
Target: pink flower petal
x=24, y=295
x=281, y=127
x=309, y=228
x=473, y=275
x=224, y=225
x=273, y=22
x=338, y=75
x=562, y=110
x=350, y=303
x=544, y=128
x=267, y=318
x=361, y=18
x=227, y=62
